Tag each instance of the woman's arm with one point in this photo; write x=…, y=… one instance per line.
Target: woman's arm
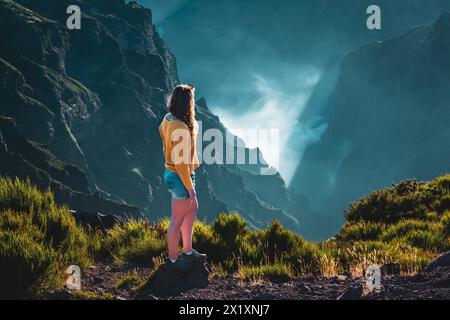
x=185, y=175
x=181, y=153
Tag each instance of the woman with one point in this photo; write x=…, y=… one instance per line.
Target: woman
x=178, y=134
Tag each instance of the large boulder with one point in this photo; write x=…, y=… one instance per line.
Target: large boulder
x=442, y=261
x=166, y=283
x=97, y=221
x=354, y=292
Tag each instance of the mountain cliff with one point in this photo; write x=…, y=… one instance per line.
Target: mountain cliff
x=387, y=120
x=81, y=109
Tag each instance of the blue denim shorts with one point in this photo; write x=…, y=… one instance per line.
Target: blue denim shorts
x=175, y=185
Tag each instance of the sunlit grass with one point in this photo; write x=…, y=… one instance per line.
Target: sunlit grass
x=38, y=240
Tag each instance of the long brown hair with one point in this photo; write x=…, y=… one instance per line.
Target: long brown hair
x=182, y=105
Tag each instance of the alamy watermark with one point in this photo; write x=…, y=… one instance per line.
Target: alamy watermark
x=374, y=20
x=73, y=22
x=216, y=146
x=373, y=278
x=73, y=281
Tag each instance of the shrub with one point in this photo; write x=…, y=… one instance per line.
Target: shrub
x=275, y=244
x=253, y=252
x=20, y=196
x=358, y=256
x=307, y=259
x=407, y=223
x=205, y=240
x=131, y=280
x=361, y=230
x=407, y=200
x=27, y=266
x=230, y=228
x=136, y=241
x=405, y=227
x=84, y=295
x=279, y=241
x=162, y=227
x=228, y=234
x=95, y=242
x=38, y=241
x=442, y=183
x=445, y=221
x=428, y=240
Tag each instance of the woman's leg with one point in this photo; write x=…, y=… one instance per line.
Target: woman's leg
x=187, y=228
x=180, y=208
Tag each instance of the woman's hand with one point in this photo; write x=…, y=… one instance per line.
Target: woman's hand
x=193, y=198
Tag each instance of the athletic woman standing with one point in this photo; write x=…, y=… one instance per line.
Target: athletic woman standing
x=178, y=133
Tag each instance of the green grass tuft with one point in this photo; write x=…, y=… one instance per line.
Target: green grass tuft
x=84, y=295
x=38, y=241
x=137, y=242
x=130, y=281
x=272, y=271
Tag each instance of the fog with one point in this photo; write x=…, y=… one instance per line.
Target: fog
x=163, y=9
x=265, y=64
x=257, y=62
x=277, y=105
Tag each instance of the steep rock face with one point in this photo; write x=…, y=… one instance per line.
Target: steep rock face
x=94, y=98
x=388, y=121
x=26, y=159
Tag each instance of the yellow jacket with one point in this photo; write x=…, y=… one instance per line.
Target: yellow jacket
x=179, y=148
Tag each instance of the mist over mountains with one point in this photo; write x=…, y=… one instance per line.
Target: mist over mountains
x=283, y=64
x=221, y=45
x=388, y=119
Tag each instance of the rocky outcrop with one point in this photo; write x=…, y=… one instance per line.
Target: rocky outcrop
x=167, y=283
x=93, y=99
x=97, y=221
x=443, y=261
x=353, y=292
x=29, y=160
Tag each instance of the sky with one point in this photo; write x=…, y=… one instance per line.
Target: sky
x=276, y=107
x=162, y=8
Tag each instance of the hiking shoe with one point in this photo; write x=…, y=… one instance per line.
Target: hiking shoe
x=179, y=265
x=195, y=255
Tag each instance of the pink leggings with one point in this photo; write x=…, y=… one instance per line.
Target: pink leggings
x=184, y=213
